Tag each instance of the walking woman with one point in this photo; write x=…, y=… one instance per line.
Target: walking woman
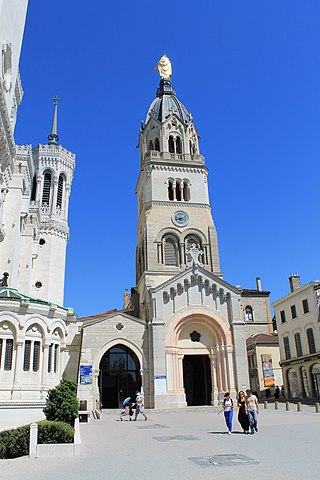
x=242, y=414
x=228, y=411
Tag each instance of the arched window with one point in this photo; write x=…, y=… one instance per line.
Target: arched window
x=32, y=349
x=311, y=344
x=170, y=247
x=60, y=191
x=186, y=191
x=151, y=146
x=46, y=189
x=170, y=190
x=33, y=189
x=157, y=145
x=178, y=145
x=297, y=340
x=248, y=314
x=53, y=353
x=286, y=344
x=6, y=346
x=171, y=145
x=178, y=190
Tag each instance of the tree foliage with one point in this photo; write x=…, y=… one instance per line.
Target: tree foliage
x=62, y=403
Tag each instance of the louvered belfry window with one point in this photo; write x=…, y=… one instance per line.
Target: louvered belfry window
x=60, y=192
x=27, y=354
x=36, y=356
x=170, y=251
x=8, y=354
x=46, y=189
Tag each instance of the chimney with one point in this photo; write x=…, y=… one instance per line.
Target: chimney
x=294, y=282
x=126, y=299
x=258, y=282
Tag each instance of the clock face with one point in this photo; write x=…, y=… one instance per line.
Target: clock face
x=180, y=219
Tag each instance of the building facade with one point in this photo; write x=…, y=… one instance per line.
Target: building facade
x=37, y=333
x=265, y=373
x=185, y=327
x=298, y=319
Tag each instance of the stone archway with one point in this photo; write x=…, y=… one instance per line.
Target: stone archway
x=199, y=341
x=119, y=375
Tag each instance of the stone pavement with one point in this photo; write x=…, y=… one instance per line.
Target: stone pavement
x=185, y=445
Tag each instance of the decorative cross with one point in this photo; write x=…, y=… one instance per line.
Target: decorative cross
x=56, y=100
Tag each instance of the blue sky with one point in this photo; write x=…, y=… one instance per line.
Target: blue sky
x=248, y=71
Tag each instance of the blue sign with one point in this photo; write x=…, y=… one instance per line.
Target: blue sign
x=86, y=374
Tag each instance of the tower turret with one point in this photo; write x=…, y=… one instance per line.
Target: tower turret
x=48, y=214
x=173, y=201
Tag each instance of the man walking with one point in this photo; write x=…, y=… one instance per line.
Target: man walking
x=139, y=405
x=252, y=409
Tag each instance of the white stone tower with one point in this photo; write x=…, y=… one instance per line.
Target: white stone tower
x=173, y=201
x=50, y=192
x=33, y=250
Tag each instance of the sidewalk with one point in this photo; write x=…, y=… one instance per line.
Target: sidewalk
x=185, y=445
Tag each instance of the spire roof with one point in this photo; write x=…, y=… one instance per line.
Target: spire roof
x=53, y=136
x=167, y=104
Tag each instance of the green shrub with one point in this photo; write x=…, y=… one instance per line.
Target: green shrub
x=62, y=403
x=55, y=432
x=14, y=443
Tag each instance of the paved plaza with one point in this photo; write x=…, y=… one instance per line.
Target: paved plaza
x=185, y=445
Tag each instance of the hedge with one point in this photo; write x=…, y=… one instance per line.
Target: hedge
x=15, y=443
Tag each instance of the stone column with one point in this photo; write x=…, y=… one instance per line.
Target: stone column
x=18, y=371
x=45, y=373
x=66, y=201
x=174, y=186
x=229, y=349
x=215, y=391
x=54, y=195
x=39, y=188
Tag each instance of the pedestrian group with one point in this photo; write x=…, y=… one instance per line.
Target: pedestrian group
x=247, y=414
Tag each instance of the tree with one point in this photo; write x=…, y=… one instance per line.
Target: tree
x=62, y=403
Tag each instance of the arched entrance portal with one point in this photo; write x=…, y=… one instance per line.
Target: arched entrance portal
x=197, y=379
x=119, y=376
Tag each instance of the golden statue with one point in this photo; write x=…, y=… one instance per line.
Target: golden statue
x=164, y=67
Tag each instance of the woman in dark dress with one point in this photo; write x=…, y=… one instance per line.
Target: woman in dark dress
x=242, y=414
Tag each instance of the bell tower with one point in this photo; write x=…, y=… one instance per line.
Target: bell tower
x=174, y=210
x=46, y=231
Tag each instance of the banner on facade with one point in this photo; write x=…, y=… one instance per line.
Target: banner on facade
x=267, y=370
x=160, y=385
x=86, y=374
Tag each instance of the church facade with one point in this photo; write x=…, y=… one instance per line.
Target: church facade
x=182, y=336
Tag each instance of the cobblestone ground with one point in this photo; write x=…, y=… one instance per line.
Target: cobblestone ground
x=185, y=445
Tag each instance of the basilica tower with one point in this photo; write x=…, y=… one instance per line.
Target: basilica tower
x=173, y=201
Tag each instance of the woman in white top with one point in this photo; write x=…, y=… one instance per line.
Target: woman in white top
x=228, y=411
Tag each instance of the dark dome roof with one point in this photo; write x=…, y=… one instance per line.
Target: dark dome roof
x=166, y=104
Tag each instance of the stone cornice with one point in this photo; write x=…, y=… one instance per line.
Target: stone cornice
x=171, y=167
x=183, y=205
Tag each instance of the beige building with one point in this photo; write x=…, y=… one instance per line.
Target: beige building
x=298, y=317
x=182, y=337
x=265, y=373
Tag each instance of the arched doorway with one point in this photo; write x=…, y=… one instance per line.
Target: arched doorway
x=315, y=374
x=197, y=379
x=119, y=376
x=293, y=383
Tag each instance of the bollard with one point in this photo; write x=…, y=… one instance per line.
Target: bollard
x=299, y=407
x=317, y=405
x=265, y=405
x=33, y=440
x=276, y=405
x=287, y=406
